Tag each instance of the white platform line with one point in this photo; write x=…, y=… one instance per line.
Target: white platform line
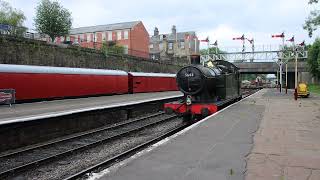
x=69, y=112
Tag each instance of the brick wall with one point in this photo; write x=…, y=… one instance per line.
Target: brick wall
x=139, y=41
x=31, y=52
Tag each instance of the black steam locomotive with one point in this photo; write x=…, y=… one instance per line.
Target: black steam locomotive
x=206, y=88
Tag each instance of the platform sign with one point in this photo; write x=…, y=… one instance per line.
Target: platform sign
x=5, y=27
x=7, y=96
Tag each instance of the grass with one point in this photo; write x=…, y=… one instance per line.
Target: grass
x=314, y=88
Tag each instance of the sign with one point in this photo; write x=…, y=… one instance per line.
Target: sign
x=5, y=27
x=7, y=96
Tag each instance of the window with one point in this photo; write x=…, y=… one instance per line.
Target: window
x=62, y=38
x=95, y=37
x=170, y=46
x=126, y=34
x=126, y=49
x=68, y=38
x=151, y=46
x=118, y=35
x=76, y=38
x=82, y=37
x=110, y=36
x=88, y=37
x=182, y=44
x=160, y=46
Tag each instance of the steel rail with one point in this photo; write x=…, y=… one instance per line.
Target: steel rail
x=87, y=146
x=126, y=153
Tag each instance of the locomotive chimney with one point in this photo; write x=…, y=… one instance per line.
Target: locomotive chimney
x=195, y=59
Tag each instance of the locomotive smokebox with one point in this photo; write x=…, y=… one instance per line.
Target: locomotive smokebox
x=195, y=59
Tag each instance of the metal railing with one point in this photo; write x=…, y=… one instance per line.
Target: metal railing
x=270, y=55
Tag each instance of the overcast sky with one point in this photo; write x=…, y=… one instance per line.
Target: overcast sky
x=219, y=19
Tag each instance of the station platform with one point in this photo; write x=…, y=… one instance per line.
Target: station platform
x=47, y=109
x=236, y=143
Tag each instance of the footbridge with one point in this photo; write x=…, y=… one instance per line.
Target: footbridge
x=267, y=61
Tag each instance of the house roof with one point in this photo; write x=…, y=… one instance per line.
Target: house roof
x=107, y=27
x=171, y=37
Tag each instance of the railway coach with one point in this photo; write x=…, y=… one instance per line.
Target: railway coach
x=44, y=82
x=151, y=82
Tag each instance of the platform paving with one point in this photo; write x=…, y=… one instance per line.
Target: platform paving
x=267, y=136
x=287, y=144
x=45, y=109
x=213, y=149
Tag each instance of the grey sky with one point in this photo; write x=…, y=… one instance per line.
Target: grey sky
x=219, y=19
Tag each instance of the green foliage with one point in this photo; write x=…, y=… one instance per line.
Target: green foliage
x=314, y=88
x=212, y=50
x=112, y=48
x=313, y=1
x=289, y=51
x=52, y=19
x=12, y=17
x=314, y=58
x=313, y=20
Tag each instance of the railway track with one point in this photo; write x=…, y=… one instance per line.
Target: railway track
x=247, y=91
x=28, y=159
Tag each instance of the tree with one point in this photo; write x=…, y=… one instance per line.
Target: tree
x=52, y=19
x=12, y=17
x=313, y=21
x=314, y=58
x=212, y=50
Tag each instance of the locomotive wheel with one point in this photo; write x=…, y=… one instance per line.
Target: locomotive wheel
x=205, y=112
x=168, y=110
x=187, y=117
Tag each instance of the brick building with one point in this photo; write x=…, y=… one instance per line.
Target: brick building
x=174, y=44
x=133, y=36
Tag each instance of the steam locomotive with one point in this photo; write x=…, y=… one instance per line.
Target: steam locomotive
x=207, y=88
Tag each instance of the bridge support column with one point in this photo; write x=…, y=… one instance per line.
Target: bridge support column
x=277, y=79
x=280, y=75
x=286, y=78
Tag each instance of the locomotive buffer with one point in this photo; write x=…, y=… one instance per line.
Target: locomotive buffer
x=206, y=88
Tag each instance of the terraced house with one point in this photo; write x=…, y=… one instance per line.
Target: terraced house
x=133, y=36
x=174, y=44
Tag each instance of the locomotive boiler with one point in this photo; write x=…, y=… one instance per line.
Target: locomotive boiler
x=207, y=88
